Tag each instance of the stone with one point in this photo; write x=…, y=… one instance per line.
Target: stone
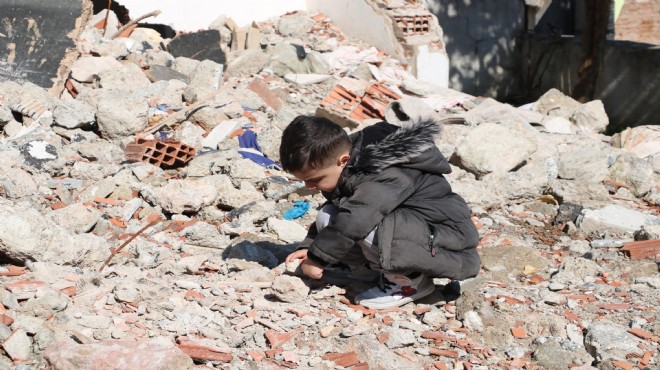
x=178, y=196
x=190, y=134
x=8, y=299
x=288, y=231
x=295, y=25
x=203, y=234
x=586, y=165
x=77, y=217
x=552, y=356
x=158, y=72
x=634, y=172
x=246, y=63
x=250, y=252
x=555, y=103
x=220, y=132
x=185, y=65
x=116, y=123
x=209, y=118
x=126, y=292
x=400, y=338
x=513, y=258
x=434, y=318
x=109, y=354
x=606, y=340
x=26, y=234
x=129, y=77
x=74, y=114
x=494, y=148
x=575, y=270
x=17, y=183
x=557, y=125
x=167, y=93
x=18, y=346
x=201, y=45
x=205, y=81
x=591, y=117
x=230, y=197
x=95, y=321
x=555, y=286
x=553, y=299
x=290, y=289
x=614, y=219
x=306, y=78
x=472, y=321
x=284, y=60
x=45, y=304
x=85, y=69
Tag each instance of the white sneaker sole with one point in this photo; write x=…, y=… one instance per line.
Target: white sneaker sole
x=385, y=305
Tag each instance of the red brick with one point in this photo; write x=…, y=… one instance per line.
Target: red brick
x=642, y=249
x=614, y=306
x=519, y=333
x=27, y=285
x=644, y=335
x=276, y=339
x=342, y=359
x=13, y=271
x=6, y=320
x=261, y=88
x=202, y=353
x=383, y=337
x=623, y=365
x=443, y=352
x=256, y=355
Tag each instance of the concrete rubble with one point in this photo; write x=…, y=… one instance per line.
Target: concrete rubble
x=557, y=203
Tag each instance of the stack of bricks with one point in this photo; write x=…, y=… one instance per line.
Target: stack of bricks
x=159, y=153
x=350, y=107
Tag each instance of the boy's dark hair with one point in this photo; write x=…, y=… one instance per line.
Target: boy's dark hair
x=311, y=142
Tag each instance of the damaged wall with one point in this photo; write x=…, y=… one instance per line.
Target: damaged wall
x=408, y=33
x=629, y=84
x=193, y=15
x=480, y=37
x=36, y=36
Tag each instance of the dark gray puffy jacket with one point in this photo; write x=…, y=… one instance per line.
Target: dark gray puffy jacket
x=394, y=180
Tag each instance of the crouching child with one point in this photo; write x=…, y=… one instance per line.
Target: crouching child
x=386, y=194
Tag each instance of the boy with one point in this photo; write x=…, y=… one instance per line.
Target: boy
x=386, y=194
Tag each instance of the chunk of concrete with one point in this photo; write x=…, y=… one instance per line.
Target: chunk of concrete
x=120, y=114
x=74, y=114
x=108, y=354
x=614, y=219
x=86, y=69
x=633, y=171
x=555, y=103
x=288, y=231
x=591, y=117
x=178, y=196
x=202, y=45
x=205, y=81
x=494, y=148
x=606, y=340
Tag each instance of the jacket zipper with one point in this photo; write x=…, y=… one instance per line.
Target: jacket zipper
x=431, y=240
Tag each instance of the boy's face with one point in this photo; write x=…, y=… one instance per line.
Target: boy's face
x=325, y=178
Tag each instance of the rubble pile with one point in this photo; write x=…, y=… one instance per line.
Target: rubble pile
x=144, y=215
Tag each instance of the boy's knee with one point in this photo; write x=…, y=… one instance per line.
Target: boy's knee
x=326, y=213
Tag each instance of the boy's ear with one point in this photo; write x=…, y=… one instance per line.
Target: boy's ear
x=343, y=160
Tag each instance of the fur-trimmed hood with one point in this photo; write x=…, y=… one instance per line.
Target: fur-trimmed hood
x=412, y=145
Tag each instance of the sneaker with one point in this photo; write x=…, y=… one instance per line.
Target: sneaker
x=396, y=291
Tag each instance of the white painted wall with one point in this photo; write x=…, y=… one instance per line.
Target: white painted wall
x=193, y=15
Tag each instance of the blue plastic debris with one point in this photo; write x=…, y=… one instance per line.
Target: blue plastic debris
x=299, y=209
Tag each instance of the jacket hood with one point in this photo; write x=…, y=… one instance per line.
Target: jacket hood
x=412, y=145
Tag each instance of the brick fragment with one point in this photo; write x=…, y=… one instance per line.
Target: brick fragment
x=6, y=320
x=203, y=353
x=345, y=359
x=13, y=271
x=614, y=306
x=519, y=333
x=443, y=352
x=276, y=339
x=21, y=286
x=623, y=365
x=256, y=355
x=644, y=335
x=159, y=153
x=642, y=249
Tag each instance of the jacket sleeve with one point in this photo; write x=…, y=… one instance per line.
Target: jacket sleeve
x=374, y=198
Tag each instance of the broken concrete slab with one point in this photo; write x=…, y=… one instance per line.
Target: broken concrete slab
x=40, y=40
x=614, y=219
x=591, y=117
x=117, y=123
x=74, y=114
x=178, y=196
x=634, y=172
x=86, y=69
x=555, y=103
x=158, y=72
x=494, y=148
x=202, y=45
x=205, y=81
x=107, y=354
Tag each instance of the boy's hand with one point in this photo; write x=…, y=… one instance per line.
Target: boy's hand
x=311, y=269
x=308, y=267
x=300, y=254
